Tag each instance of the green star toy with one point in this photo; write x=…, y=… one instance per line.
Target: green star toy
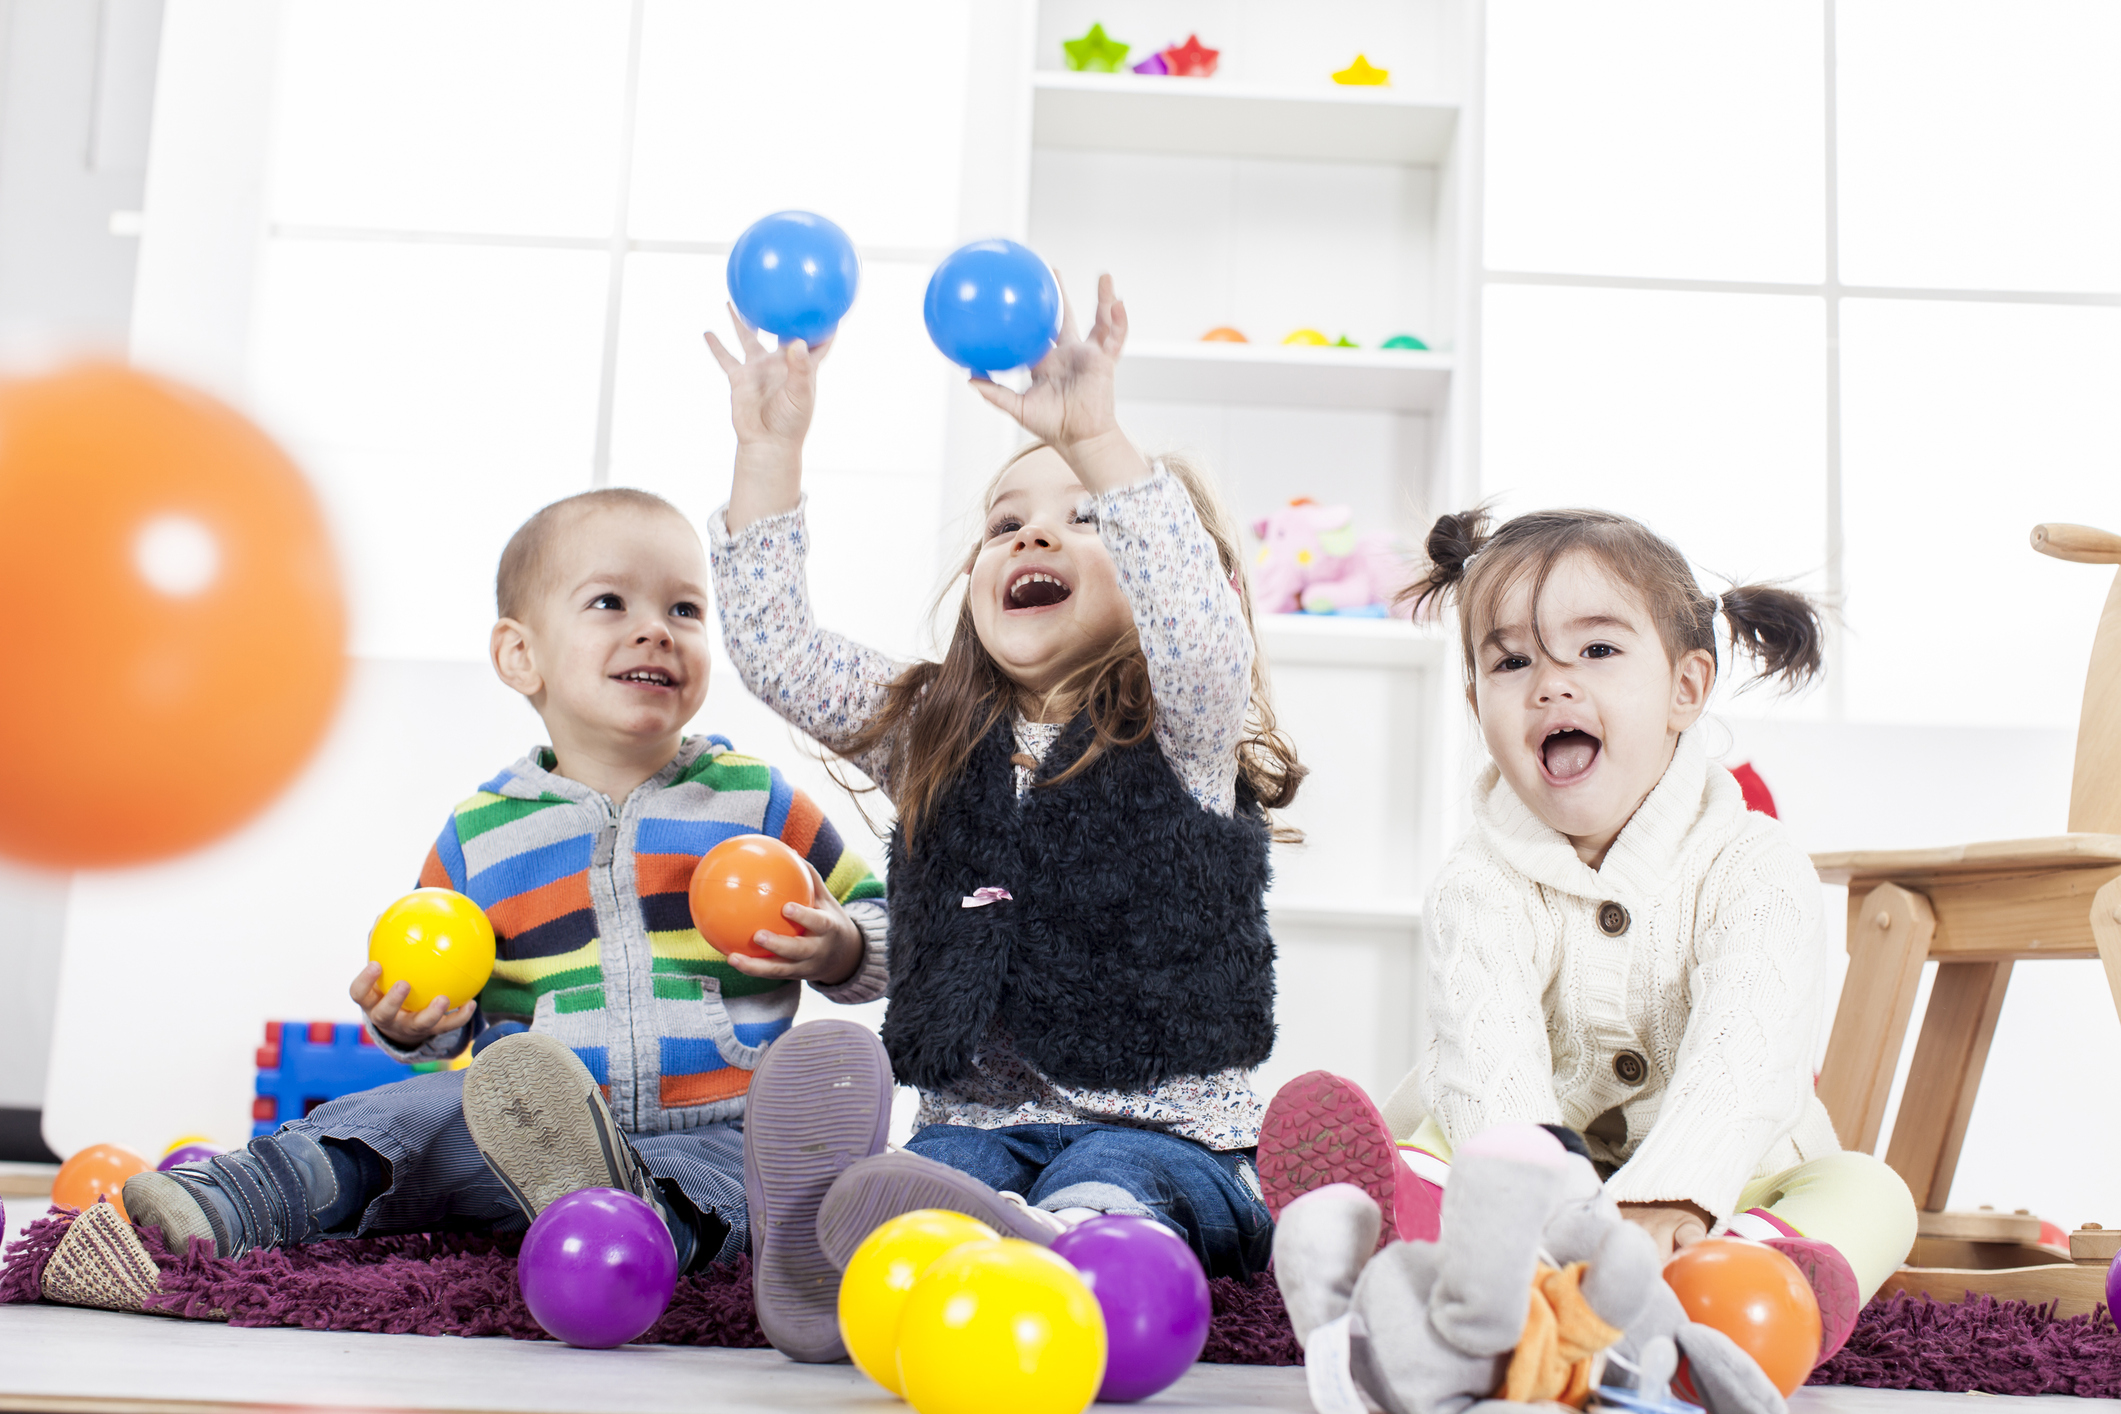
x=1095, y=53
x=1344, y=342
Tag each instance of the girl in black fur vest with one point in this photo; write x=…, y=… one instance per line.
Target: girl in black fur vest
x=1081, y=976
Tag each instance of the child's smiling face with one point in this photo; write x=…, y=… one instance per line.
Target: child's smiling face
x=617, y=634
x=1584, y=729
x=1044, y=594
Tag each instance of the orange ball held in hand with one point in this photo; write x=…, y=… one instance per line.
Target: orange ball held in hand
x=437, y=941
x=99, y=1171
x=738, y=889
x=173, y=609
x=1757, y=1297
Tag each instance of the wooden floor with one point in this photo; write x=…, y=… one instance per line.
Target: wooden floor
x=57, y=1360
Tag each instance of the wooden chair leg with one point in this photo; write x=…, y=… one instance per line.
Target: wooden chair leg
x=1944, y=1075
x=2106, y=927
x=1889, y=939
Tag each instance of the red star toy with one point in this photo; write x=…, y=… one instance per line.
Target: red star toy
x=1192, y=60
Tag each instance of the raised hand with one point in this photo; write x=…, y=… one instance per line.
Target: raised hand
x=1070, y=403
x=772, y=394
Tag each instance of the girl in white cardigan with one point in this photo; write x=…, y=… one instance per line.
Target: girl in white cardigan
x=1618, y=947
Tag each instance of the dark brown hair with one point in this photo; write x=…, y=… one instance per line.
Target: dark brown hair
x=526, y=564
x=935, y=713
x=1474, y=566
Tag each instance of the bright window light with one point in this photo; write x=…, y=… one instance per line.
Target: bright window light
x=451, y=115
x=742, y=112
x=1703, y=415
x=1963, y=426
x=1670, y=139
x=1980, y=144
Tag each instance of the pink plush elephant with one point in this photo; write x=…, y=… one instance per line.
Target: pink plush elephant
x=1311, y=558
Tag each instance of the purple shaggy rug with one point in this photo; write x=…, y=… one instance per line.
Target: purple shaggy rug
x=446, y=1285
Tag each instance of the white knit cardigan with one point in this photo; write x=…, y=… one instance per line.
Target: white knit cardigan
x=1703, y=989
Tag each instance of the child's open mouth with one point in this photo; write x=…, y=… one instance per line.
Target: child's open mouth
x=646, y=677
x=1568, y=753
x=1036, y=589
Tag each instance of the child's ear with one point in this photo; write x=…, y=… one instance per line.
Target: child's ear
x=513, y=659
x=1692, y=679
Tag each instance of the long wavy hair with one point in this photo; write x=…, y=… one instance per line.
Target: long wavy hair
x=935, y=713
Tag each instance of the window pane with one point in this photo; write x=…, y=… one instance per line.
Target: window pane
x=1701, y=415
x=438, y=395
x=745, y=109
x=1980, y=145
x=1670, y=139
x=1963, y=426
x=451, y=115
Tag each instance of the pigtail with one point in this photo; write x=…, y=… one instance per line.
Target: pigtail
x=1779, y=628
x=1453, y=542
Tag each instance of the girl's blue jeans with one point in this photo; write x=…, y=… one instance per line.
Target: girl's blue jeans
x=1209, y=1197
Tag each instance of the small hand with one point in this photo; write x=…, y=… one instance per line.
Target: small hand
x=829, y=949
x=1671, y=1225
x=772, y=393
x=386, y=1010
x=1069, y=405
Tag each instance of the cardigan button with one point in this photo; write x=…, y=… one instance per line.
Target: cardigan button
x=1612, y=919
x=1630, y=1067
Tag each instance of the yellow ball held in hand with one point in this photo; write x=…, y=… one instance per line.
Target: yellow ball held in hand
x=1001, y=1325
x=436, y=940
x=880, y=1275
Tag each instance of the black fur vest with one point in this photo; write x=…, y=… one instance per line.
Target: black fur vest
x=1133, y=947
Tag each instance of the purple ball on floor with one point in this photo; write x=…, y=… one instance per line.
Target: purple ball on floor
x=187, y=1154
x=1155, y=1299
x=2113, y=1286
x=597, y=1268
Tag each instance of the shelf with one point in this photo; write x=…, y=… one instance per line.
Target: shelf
x=1384, y=914
x=1286, y=375
x=1330, y=641
x=1329, y=123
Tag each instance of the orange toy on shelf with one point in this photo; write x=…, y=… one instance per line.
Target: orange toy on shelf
x=1223, y=334
x=99, y=1171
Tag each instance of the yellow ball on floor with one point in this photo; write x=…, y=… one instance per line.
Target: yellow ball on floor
x=436, y=940
x=880, y=1276
x=1001, y=1325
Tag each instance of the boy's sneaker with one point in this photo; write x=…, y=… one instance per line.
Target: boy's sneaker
x=1321, y=1129
x=876, y=1190
x=1833, y=1282
x=270, y=1193
x=819, y=1101
x=539, y=1118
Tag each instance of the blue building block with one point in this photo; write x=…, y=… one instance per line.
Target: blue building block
x=304, y=1063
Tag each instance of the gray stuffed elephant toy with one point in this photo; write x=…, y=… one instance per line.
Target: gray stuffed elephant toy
x=1436, y=1327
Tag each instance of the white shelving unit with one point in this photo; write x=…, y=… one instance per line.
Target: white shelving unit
x=1286, y=375
x=1320, y=122
x=1268, y=199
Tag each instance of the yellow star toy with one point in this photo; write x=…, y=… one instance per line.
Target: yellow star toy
x=1095, y=53
x=1363, y=73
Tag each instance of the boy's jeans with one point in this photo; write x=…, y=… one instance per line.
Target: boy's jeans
x=1211, y=1198
x=439, y=1181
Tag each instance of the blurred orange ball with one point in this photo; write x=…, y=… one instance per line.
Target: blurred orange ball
x=99, y=1171
x=739, y=887
x=1223, y=334
x=173, y=609
x=1757, y=1297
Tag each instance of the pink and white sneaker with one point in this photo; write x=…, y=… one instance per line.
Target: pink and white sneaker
x=1321, y=1129
x=1832, y=1279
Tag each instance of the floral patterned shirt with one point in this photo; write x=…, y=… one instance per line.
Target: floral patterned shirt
x=1199, y=653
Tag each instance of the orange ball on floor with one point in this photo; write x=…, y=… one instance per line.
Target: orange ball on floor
x=99, y=1171
x=1757, y=1297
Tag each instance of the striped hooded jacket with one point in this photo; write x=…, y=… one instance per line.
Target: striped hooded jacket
x=594, y=931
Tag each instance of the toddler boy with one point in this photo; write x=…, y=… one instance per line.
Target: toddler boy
x=641, y=1039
